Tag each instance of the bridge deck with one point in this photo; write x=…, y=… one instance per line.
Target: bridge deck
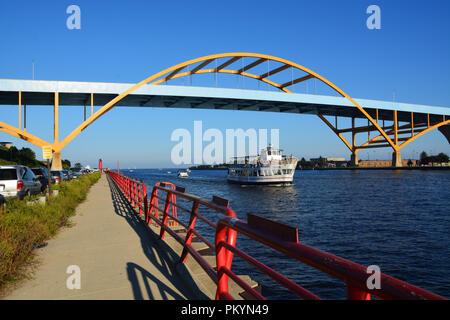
x=118, y=257
x=72, y=93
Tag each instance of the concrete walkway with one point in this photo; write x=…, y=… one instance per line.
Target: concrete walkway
x=117, y=255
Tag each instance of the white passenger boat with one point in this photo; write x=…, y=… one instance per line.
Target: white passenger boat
x=270, y=167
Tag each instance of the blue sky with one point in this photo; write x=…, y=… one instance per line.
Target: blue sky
x=127, y=41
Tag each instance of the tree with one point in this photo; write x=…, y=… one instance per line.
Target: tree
x=424, y=158
x=322, y=162
x=66, y=164
x=303, y=163
x=442, y=157
x=78, y=165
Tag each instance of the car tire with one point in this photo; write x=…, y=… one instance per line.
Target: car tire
x=26, y=194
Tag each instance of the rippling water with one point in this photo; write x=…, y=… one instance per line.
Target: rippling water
x=398, y=220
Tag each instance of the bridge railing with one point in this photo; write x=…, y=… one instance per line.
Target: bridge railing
x=277, y=236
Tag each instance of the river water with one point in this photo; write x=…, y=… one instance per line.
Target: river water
x=396, y=219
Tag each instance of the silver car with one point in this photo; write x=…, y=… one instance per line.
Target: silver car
x=18, y=182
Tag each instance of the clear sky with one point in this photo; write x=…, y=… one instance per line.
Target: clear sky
x=127, y=41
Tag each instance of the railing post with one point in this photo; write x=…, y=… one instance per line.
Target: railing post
x=166, y=214
x=224, y=257
x=356, y=294
x=140, y=197
x=129, y=189
x=135, y=189
x=132, y=192
x=174, y=208
x=144, y=191
x=190, y=231
x=153, y=203
x=221, y=261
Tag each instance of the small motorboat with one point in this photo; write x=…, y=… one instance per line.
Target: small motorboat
x=182, y=174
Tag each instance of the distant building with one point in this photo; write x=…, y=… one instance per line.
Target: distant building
x=386, y=163
x=331, y=162
x=6, y=144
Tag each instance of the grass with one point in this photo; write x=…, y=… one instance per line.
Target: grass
x=4, y=162
x=23, y=227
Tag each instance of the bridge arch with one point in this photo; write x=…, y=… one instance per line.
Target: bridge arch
x=21, y=134
x=176, y=72
x=387, y=136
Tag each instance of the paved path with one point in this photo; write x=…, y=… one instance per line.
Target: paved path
x=116, y=254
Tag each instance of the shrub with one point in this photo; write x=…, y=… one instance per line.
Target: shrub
x=23, y=227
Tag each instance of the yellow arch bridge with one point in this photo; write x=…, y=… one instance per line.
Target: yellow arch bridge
x=389, y=124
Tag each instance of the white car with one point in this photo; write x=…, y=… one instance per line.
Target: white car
x=18, y=182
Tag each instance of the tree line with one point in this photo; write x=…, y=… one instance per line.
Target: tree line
x=440, y=158
x=26, y=157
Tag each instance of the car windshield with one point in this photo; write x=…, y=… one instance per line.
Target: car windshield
x=8, y=174
x=55, y=173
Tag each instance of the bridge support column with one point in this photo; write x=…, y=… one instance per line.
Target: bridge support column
x=56, y=161
x=354, y=160
x=397, y=159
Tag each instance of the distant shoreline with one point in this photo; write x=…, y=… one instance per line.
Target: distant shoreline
x=352, y=168
x=383, y=168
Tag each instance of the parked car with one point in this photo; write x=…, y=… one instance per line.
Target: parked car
x=66, y=175
x=42, y=175
x=18, y=182
x=76, y=172
x=57, y=176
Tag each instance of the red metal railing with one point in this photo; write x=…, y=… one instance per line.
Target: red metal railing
x=162, y=217
x=154, y=203
x=279, y=237
x=284, y=239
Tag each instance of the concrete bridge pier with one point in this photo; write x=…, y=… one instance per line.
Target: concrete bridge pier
x=397, y=159
x=354, y=160
x=56, y=161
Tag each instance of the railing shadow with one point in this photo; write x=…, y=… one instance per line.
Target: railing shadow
x=134, y=271
x=163, y=260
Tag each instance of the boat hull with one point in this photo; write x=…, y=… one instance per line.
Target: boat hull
x=276, y=181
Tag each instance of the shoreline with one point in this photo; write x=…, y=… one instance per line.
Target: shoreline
x=352, y=168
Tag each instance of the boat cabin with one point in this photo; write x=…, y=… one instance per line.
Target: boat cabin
x=271, y=154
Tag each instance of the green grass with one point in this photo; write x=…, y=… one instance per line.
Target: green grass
x=23, y=227
x=4, y=162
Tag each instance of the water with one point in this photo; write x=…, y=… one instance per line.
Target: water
x=398, y=220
